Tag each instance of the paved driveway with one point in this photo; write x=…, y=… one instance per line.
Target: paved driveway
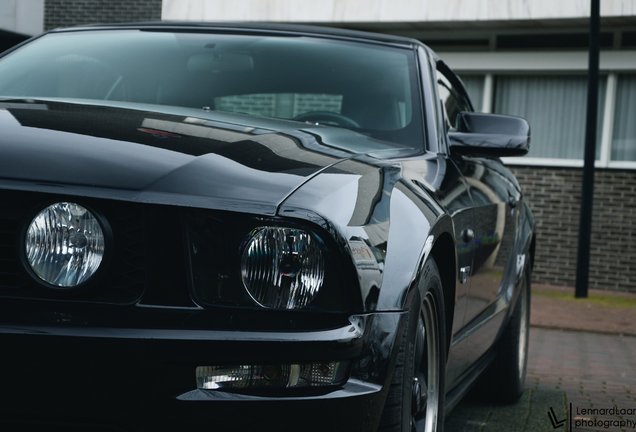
x=596, y=373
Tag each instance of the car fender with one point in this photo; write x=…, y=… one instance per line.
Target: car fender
x=387, y=226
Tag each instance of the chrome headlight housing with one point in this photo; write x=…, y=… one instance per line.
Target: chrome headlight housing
x=64, y=245
x=282, y=268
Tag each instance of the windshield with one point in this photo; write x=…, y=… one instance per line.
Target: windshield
x=366, y=87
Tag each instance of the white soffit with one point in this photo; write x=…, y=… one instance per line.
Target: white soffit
x=22, y=16
x=498, y=62
x=388, y=10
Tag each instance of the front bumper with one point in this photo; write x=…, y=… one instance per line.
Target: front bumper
x=133, y=378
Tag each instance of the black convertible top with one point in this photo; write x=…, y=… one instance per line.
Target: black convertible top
x=254, y=28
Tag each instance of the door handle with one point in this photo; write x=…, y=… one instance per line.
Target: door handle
x=464, y=274
x=467, y=235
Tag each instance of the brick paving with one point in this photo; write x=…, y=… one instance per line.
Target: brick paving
x=589, y=370
x=596, y=371
x=556, y=307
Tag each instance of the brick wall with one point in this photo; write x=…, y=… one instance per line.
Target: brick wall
x=554, y=196
x=66, y=13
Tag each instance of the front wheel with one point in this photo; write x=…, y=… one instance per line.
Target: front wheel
x=416, y=397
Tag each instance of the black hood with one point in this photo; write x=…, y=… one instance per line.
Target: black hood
x=176, y=156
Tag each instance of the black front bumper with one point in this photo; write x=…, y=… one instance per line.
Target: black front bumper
x=124, y=378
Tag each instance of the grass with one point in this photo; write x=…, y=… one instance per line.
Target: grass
x=608, y=300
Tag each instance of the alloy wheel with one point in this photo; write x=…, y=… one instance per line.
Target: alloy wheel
x=426, y=381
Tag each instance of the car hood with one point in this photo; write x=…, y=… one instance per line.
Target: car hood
x=174, y=156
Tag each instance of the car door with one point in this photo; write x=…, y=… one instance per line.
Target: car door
x=494, y=195
x=496, y=198
x=454, y=195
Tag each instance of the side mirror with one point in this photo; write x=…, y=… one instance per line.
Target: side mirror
x=490, y=135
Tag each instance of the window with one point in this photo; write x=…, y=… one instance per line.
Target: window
x=550, y=90
x=474, y=85
x=452, y=100
x=624, y=134
x=555, y=107
x=368, y=87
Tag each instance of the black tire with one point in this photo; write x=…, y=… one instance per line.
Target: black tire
x=505, y=379
x=419, y=348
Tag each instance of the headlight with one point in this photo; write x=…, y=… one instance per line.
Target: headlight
x=282, y=268
x=64, y=244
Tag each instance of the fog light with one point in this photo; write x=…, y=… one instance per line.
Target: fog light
x=248, y=377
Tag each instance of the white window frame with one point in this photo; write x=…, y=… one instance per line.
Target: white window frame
x=490, y=64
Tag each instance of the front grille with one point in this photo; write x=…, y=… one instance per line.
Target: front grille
x=123, y=280
x=29, y=426
x=8, y=268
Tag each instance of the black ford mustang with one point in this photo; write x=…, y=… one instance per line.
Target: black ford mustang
x=233, y=226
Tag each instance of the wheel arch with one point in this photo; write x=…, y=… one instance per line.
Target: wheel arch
x=440, y=246
x=443, y=252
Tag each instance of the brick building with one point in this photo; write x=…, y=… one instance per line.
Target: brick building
x=528, y=58
x=67, y=13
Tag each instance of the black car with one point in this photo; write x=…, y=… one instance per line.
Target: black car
x=240, y=226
